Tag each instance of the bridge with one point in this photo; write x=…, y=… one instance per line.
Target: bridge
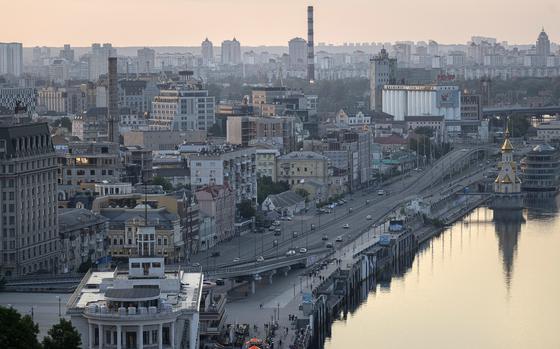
x=534, y=111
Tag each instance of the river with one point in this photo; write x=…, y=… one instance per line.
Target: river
x=482, y=283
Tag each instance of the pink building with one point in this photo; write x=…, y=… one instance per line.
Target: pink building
x=218, y=201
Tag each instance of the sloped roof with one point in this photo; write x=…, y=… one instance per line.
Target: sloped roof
x=285, y=199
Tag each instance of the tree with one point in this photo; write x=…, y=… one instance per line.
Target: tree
x=424, y=130
x=518, y=125
x=266, y=187
x=303, y=193
x=16, y=331
x=164, y=182
x=246, y=209
x=62, y=336
x=63, y=122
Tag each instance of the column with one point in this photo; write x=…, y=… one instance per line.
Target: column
x=160, y=336
x=100, y=336
x=140, y=335
x=119, y=336
x=172, y=335
x=90, y=336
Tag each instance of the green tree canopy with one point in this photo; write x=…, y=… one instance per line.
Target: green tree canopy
x=164, y=182
x=266, y=187
x=62, y=336
x=518, y=125
x=16, y=331
x=246, y=209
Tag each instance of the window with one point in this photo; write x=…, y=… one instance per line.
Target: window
x=135, y=265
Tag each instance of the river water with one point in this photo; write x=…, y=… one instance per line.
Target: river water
x=486, y=282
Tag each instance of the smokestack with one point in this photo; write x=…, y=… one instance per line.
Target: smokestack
x=113, y=103
x=310, y=53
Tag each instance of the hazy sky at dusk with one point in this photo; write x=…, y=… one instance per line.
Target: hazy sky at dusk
x=272, y=22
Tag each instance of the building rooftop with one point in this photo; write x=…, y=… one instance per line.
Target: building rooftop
x=302, y=155
x=285, y=199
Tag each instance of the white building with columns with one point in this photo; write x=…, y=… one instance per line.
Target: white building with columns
x=145, y=306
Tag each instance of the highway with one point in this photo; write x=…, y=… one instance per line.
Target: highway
x=248, y=247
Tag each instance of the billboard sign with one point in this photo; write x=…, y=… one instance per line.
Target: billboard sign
x=447, y=98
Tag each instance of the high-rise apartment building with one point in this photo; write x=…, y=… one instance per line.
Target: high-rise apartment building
x=67, y=53
x=297, y=48
x=207, y=50
x=231, y=52
x=146, y=60
x=28, y=188
x=382, y=71
x=185, y=106
x=98, y=60
x=11, y=58
x=543, y=48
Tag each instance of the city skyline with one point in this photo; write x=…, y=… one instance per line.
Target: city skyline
x=173, y=23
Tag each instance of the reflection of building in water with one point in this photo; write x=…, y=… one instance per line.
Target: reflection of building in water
x=508, y=226
x=541, y=206
x=507, y=186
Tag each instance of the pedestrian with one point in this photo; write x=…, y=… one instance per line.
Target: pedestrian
x=260, y=305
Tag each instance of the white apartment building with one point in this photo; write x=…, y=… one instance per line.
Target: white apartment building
x=422, y=100
x=146, y=306
x=548, y=132
x=220, y=165
x=266, y=162
x=11, y=58
x=183, y=108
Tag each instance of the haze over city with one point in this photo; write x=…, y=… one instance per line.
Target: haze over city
x=258, y=174
x=272, y=22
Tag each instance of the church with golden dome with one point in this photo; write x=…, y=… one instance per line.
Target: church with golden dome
x=507, y=185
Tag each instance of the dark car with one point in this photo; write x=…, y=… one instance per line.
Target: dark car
x=216, y=254
x=220, y=282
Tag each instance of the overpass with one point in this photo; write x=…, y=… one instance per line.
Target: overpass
x=532, y=111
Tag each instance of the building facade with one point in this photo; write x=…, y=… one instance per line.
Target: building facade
x=218, y=202
x=83, y=238
x=143, y=307
x=300, y=166
x=11, y=58
x=382, y=71
x=29, y=222
x=221, y=165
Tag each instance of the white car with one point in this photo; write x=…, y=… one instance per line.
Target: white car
x=381, y=192
x=346, y=226
x=368, y=217
x=290, y=253
x=236, y=259
x=303, y=250
x=260, y=259
x=339, y=238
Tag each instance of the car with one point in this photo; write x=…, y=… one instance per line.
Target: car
x=287, y=218
x=236, y=259
x=339, y=238
x=381, y=192
x=325, y=238
x=275, y=243
x=216, y=254
x=368, y=217
x=260, y=259
x=303, y=250
x=350, y=209
x=312, y=226
x=346, y=226
x=277, y=233
x=195, y=264
x=290, y=253
x=367, y=201
x=271, y=228
x=295, y=234
x=329, y=245
x=220, y=282
x=277, y=230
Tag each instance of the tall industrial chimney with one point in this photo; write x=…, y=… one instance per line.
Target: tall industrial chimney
x=310, y=53
x=113, y=103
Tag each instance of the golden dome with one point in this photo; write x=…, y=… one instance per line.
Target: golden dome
x=507, y=145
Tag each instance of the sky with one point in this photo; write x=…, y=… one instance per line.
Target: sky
x=272, y=22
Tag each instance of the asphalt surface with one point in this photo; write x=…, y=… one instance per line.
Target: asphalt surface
x=330, y=226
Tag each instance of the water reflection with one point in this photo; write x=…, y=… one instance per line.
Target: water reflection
x=491, y=281
x=507, y=224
